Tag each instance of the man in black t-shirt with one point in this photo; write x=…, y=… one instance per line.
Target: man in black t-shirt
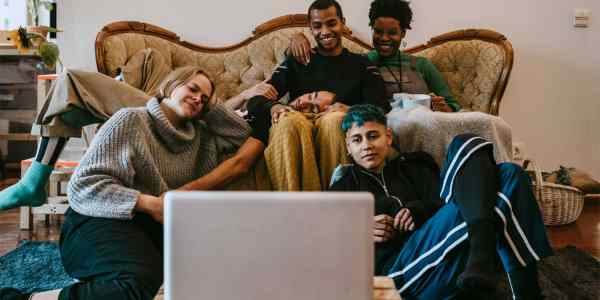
x=304, y=148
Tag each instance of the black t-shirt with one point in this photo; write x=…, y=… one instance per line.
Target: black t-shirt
x=352, y=77
x=259, y=119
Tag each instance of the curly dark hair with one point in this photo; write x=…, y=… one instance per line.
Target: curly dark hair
x=397, y=9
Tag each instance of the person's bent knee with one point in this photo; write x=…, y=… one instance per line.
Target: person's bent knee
x=334, y=118
x=460, y=139
x=331, y=122
x=291, y=122
x=128, y=286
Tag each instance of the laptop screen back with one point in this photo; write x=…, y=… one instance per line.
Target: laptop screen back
x=268, y=245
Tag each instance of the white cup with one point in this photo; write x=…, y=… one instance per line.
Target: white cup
x=407, y=101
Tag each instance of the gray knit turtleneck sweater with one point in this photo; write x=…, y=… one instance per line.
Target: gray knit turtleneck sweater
x=138, y=151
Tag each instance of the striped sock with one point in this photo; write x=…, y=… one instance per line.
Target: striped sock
x=50, y=149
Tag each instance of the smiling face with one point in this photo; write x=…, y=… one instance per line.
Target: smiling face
x=327, y=29
x=369, y=144
x=314, y=102
x=191, y=98
x=387, y=35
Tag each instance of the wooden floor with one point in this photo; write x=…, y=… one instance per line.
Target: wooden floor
x=584, y=233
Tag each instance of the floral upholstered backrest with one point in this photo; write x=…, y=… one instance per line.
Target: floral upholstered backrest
x=475, y=63
x=473, y=68
x=233, y=68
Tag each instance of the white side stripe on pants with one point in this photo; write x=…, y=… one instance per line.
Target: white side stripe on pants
x=433, y=264
x=508, y=239
x=53, y=143
x=454, y=161
x=434, y=248
x=518, y=227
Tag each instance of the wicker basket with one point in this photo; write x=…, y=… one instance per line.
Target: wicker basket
x=560, y=204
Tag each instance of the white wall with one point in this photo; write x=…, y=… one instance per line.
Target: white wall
x=552, y=100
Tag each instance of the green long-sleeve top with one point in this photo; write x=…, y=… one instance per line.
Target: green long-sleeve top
x=431, y=75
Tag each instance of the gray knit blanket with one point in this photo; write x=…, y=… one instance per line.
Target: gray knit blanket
x=420, y=129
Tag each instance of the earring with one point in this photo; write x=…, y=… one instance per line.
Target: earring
x=403, y=44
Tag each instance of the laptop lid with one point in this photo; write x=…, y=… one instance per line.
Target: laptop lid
x=268, y=245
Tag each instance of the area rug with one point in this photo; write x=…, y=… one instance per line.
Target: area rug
x=569, y=274
x=33, y=266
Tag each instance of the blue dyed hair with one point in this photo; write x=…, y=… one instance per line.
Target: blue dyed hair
x=361, y=113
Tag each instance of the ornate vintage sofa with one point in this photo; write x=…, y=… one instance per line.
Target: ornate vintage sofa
x=476, y=63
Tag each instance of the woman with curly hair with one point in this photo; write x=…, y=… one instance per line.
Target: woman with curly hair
x=404, y=73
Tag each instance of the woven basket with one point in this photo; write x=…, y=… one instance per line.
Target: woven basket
x=560, y=204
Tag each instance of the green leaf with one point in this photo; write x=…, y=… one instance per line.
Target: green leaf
x=49, y=53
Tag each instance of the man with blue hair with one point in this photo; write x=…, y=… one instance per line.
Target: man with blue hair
x=437, y=234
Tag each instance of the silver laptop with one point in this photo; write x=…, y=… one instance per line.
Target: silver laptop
x=268, y=246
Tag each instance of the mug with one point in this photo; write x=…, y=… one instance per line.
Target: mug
x=407, y=101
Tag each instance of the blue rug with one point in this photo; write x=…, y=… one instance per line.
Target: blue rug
x=34, y=266
x=569, y=274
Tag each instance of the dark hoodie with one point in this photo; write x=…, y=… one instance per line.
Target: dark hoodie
x=411, y=181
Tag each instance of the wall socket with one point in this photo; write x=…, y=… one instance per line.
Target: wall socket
x=581, y=18
x=518, y=150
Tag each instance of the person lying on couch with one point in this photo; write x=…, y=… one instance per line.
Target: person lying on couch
x=295, y=159
x=112, y=239
x=437, y=234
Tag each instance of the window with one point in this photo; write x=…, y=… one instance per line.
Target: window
x=13, y=13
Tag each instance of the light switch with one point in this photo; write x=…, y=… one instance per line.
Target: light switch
x=581, y=18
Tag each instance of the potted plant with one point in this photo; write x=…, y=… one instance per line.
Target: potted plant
x=48, y=51
x=37, y=35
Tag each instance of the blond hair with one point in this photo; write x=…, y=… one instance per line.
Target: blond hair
x=179, y=77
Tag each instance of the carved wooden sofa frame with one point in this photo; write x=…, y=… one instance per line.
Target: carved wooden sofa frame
x=476, y=63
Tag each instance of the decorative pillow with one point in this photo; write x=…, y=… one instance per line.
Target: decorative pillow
x=145, y=70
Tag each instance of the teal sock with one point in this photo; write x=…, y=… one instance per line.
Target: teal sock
x=30, y=190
